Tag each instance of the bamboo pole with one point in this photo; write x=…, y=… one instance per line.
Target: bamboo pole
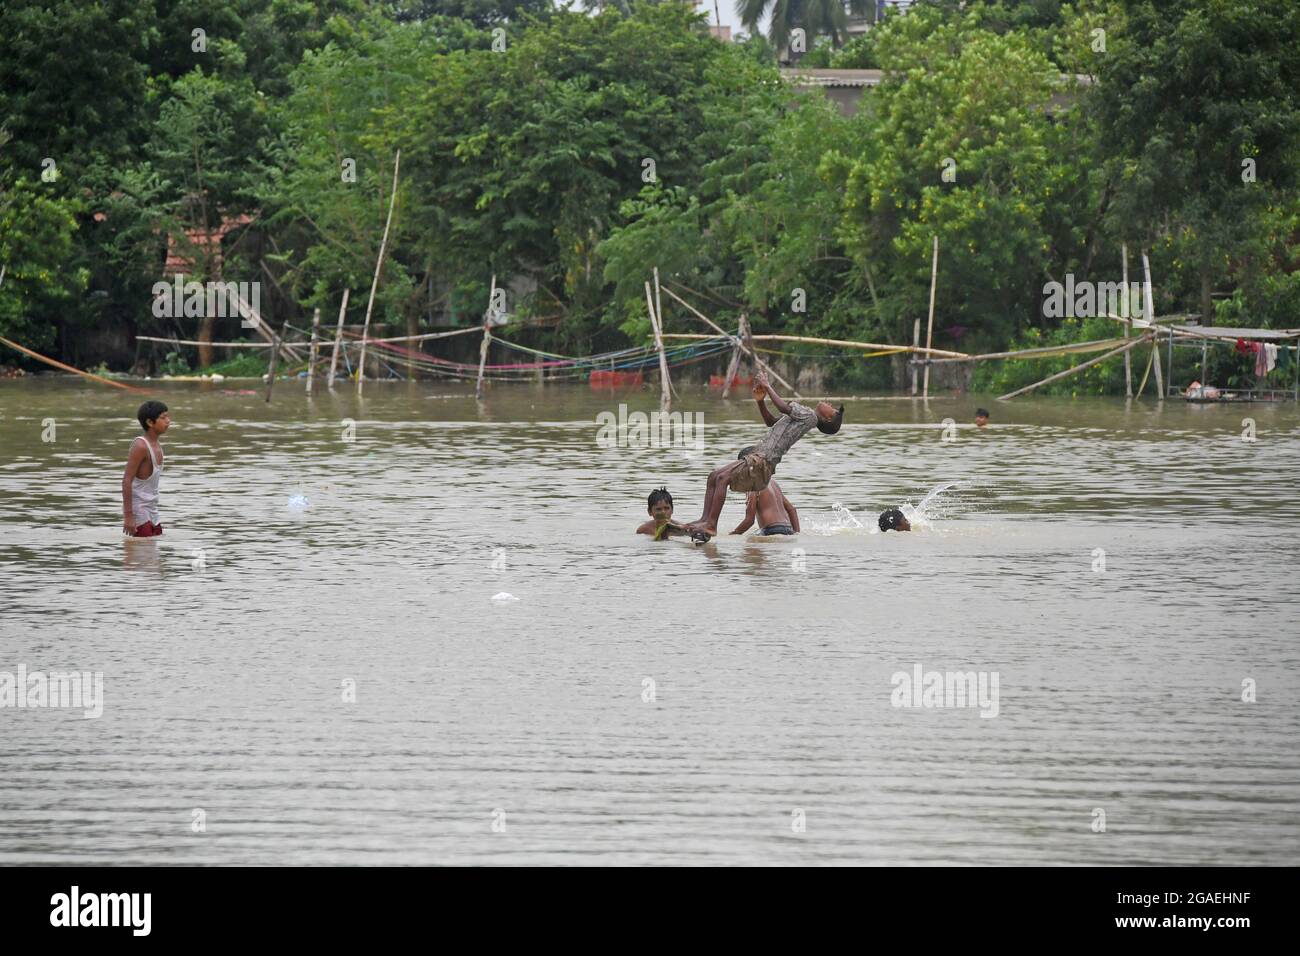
x=659, y=321
x=68, y=368
x=1151, y=317
x=866, y=346
x=338, y=337
x=749, y=348
x=1092, y=345
x=665, y=387
x=246, y=311
x=215, y=345
x=487, y=337
x=916, y=344
x=311, y=362
x=929, y=329
x=1128, y=311
x=734, y=365
x=270, y=369
x=1077, y=368
x=424, y=336
x=374, y=283
x=1143, y=384
x=1170, y=354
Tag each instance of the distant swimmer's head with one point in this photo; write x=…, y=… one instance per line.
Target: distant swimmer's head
x=894, y=520
x=829, y=418
x=745, y=451
x=154, y=413
x=660, y=505
x=981, y=417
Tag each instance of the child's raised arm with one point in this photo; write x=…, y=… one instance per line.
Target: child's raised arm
x=781, y=404
x=760, y=393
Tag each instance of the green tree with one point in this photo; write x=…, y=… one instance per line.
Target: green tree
x=1200, y=120
x=815, y=17
x=959, y=144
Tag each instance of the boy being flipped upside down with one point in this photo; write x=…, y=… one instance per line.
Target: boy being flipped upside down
x=753, y=471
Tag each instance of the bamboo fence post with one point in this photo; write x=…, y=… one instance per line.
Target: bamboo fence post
x=374, y=283
x=1151, y=317
x=270, y=369
x=1072, y=371
x=665, y=388
x=659, y=320
x=749, y=349
x=929, y=329
x=311, y=362
x=338, y=337
x=487, y=337
x=1128, y=312
x=916, y=344
x=734, y=365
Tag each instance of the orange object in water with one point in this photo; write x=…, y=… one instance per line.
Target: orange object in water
x=715, y=381
x=607, y=378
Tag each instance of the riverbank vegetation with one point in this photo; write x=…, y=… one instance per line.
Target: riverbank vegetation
x=567, y=152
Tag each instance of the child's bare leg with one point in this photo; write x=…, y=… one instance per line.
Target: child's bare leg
x=714, y=495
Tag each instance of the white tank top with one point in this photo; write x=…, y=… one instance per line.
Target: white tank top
x=144, y=492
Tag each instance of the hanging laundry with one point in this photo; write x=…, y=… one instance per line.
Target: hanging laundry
x=1261, y=361
x=1242, y=347
x=1270, y=352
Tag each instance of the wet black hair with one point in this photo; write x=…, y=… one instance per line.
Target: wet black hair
x=981, y=412
x=150, y=412
x=832, y=426
x=656, y=496
x=890, y=518
x=745, y=451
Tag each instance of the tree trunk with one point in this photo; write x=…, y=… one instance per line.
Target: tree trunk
x=206, y=328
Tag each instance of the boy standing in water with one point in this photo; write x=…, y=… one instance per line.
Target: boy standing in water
x=754, y=470
x=140, y=517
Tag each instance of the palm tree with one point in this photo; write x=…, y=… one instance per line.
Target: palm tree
x=816, y=17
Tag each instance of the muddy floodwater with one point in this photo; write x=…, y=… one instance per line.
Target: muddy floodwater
x=418, y=629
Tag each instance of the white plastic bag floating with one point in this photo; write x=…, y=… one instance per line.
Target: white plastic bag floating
x=504, y=597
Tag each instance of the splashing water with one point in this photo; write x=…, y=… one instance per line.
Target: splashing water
x=941, y=502
x=846, y=516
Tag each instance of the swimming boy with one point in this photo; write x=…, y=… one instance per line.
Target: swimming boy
x=661, y=524
x=754, y=470
x=144, y=464
x=893, y=520
x=981, y=417
x=775, y=513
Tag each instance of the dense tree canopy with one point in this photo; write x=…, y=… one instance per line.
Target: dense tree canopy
x=567, y=151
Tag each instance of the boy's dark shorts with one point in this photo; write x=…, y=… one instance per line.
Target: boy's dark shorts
x=147, y=530
x=751, y=473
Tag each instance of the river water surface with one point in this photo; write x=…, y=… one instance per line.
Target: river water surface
x=309, y=667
